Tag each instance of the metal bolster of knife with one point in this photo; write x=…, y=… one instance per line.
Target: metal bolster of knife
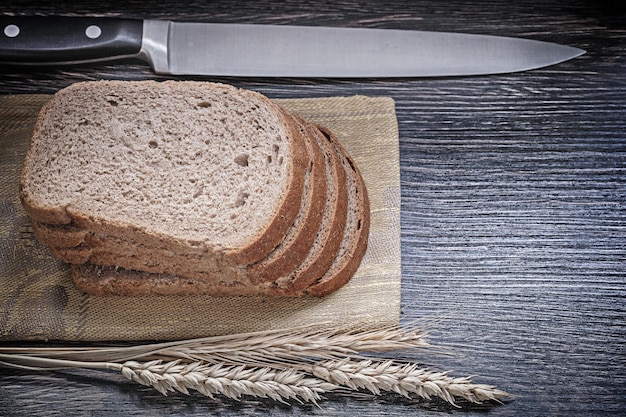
x=154, y=44
x=38, y=40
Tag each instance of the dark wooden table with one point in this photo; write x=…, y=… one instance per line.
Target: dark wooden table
x=513, y=207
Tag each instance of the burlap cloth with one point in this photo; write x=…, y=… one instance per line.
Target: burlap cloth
x=39, y=302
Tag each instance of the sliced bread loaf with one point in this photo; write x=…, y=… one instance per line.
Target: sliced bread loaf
x=315, y=230
x=108, y=250
x=196, y=167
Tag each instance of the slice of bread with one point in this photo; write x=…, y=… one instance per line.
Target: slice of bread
x=189, y=165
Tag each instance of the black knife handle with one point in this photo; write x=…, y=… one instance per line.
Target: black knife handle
x=54, y=39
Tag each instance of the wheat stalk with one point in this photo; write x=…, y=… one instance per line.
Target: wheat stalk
x=293, y=364
x=286, y=346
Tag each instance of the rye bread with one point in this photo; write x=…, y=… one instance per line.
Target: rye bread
x=159, y=266
x=118, y=251
x=255, y=175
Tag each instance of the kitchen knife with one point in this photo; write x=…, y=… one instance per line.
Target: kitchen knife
x=270, y=50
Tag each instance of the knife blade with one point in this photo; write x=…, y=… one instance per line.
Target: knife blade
x=250, y=50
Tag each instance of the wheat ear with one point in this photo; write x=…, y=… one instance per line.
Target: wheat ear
x=231, y=381
x=404, y=379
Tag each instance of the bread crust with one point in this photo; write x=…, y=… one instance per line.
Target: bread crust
x=190, y=266
x=75, y=256
x=59, y=236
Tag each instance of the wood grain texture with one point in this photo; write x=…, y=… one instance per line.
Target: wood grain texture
x=513, y=207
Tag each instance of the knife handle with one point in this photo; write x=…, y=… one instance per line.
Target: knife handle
x=54, y=39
